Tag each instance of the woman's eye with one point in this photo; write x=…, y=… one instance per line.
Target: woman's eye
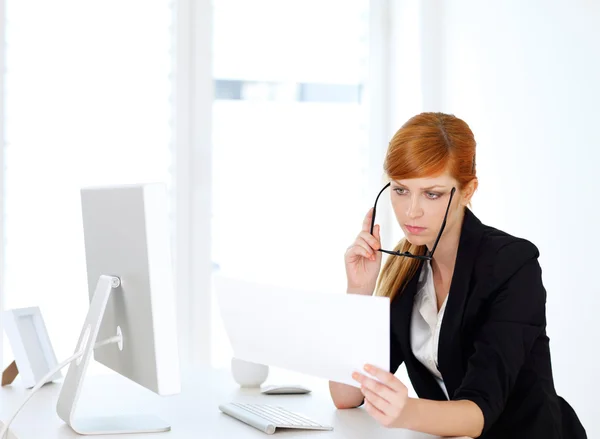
x=400, y=191
x=433, y=196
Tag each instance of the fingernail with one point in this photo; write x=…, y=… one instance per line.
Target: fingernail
x=355, y=375
x=368, y=368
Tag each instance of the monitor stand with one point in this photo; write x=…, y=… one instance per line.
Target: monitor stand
x=73, y=383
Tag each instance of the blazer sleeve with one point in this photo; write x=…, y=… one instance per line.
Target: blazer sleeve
x=515, y=319
x=396, y=357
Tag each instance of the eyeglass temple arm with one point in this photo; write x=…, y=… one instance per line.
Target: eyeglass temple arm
x=389, y=252
x=375, y=207
x=407, y=254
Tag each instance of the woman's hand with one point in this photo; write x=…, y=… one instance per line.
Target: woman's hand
x=386, y=399
x=362, y=259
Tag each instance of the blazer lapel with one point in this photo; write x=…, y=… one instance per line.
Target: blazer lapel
x=450, y=355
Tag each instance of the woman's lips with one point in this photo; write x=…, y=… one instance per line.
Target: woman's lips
x=415, y=230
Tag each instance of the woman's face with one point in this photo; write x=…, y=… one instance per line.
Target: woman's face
x=420, y=204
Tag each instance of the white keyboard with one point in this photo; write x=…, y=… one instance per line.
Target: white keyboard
x=267, y=417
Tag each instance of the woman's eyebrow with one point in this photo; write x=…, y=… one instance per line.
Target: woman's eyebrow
x=433, y=187
x=424, y=188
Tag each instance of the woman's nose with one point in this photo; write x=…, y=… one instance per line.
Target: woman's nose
x=414, y=209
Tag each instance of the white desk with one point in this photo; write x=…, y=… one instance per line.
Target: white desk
x=194, y=413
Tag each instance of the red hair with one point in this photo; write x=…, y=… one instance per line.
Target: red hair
x=427, y=145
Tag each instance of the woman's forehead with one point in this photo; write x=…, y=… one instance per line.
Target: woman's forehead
x=443, y=180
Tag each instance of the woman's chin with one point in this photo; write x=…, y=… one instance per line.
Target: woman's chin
x=416, y=240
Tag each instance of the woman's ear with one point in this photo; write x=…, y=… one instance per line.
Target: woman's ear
x=468, y=192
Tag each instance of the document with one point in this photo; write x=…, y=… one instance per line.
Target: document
x=327, y=335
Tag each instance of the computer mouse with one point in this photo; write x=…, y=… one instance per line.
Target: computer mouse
x=284, y=390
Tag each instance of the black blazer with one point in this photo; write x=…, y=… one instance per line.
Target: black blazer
x=493, y=348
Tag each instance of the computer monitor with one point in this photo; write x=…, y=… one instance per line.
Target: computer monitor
x=131, y=323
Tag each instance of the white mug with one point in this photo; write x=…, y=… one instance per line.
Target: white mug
x=248, y=374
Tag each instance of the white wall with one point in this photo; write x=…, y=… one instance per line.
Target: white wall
x=526, y=77
x=2, y=67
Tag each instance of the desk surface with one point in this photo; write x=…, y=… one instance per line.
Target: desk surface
x=194, y=413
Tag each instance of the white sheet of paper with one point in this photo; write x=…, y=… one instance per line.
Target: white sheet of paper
x=320, y=334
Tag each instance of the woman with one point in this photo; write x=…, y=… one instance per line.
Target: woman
x=467, y=303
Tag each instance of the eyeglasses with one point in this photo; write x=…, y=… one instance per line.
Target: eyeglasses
x=427, y=256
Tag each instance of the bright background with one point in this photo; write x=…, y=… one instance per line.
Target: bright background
x=268, y=120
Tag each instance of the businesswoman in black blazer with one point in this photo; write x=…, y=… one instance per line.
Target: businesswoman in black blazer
x=467, y=303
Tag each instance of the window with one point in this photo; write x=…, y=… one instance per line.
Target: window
x=290, y=142
x=88, y=102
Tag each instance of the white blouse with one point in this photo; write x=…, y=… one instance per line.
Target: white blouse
x=425, y=324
